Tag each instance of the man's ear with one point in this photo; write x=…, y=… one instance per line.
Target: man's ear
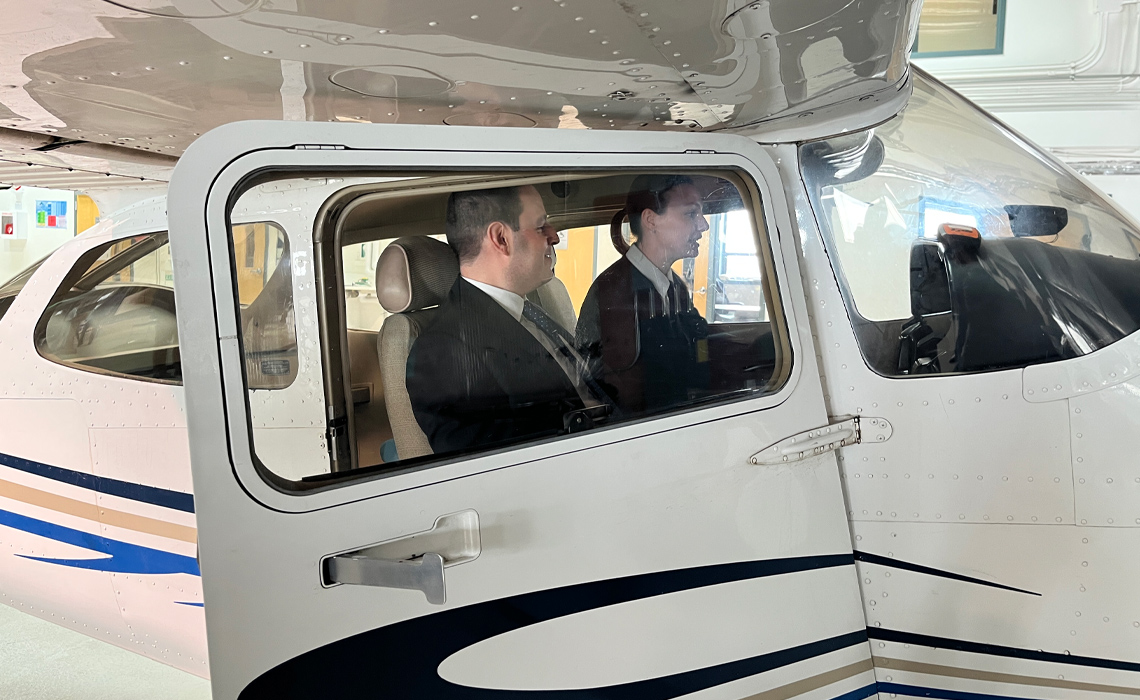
x=498, y=236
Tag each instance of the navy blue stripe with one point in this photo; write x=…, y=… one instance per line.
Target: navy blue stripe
x=112, y=487
x=407, y=654
x=914, y=691
x=864, y=692
x=926, y=640
x=920, y=569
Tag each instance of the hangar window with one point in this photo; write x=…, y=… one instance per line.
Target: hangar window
x=960, y=28
x=961, y=248
x=115, y=312
x=579, y=324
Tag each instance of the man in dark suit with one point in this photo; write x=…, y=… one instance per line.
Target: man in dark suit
x=494, y=368
x=644, y=343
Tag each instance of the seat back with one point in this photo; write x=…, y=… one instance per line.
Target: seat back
x=555, y=301
x=413, y=275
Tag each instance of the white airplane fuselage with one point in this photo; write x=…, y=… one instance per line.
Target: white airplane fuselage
x=1003, y=505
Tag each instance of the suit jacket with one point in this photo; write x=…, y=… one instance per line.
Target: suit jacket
x=477, y=378
x=648, y=354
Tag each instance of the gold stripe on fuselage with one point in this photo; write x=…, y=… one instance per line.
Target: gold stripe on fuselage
x=806, y=685
x=889, y=664
x=90, y=511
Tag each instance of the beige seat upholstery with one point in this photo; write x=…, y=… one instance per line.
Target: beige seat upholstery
x=413, y=277
x=555, y=301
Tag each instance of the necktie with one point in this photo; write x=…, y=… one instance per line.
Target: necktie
x=564, y=343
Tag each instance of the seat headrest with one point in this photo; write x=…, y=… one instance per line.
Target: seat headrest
x=415, y=272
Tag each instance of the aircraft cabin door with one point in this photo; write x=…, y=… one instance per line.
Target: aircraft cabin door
x=578, y=498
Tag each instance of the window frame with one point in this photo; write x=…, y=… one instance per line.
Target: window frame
x=744, y=173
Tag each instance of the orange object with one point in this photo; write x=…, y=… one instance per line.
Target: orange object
x=958, y=230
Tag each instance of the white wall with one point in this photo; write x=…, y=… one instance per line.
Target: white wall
x=31, y=241
x=1038, y=33
x=1124, y=190
x=1069, y=80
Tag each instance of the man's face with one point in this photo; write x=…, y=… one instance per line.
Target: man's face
x=532, y=260
x=679, y=228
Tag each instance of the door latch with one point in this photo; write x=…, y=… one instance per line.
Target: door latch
x=413, y=562
x=850, y=431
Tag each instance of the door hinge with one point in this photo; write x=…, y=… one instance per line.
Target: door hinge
x=317, y=147
x=336, y=437
x=849, y=431
x=696, y=150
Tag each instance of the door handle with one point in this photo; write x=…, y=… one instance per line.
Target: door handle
x=425, y=575
x=414, y=562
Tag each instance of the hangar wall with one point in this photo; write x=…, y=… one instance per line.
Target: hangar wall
x=1069, y=80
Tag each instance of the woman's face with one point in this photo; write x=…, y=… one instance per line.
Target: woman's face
x=679, y=228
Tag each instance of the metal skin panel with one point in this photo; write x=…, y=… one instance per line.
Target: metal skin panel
x=1106, y=441
x=116, y=562
x=1082, y=604
x=1079, y=376
x=673, y=498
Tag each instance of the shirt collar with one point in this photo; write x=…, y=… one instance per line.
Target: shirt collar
x=511, y=302
x=644, y=266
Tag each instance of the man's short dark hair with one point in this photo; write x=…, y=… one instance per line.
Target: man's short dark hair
x=650, y=192
x=470, y=213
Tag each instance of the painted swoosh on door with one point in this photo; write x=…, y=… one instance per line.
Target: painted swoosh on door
x=402, y=659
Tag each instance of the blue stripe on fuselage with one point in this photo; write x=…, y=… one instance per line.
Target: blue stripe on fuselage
x=125, y=558
x=860, y=693
x=112, y=487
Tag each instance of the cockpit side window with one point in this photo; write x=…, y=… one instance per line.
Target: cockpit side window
x=460, y=313
x=961, y=248
x=114, y=313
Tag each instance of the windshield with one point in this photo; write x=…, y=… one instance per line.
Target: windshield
x=960, y=247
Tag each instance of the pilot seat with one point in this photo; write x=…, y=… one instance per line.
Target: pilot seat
x=413, y=277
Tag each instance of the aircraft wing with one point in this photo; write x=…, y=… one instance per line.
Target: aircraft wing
x=151, y=76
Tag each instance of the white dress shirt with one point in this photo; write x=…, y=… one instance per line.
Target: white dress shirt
x=659, y=279
x=510, y=301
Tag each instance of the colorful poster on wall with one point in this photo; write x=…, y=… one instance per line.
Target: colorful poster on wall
x=51, y=214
